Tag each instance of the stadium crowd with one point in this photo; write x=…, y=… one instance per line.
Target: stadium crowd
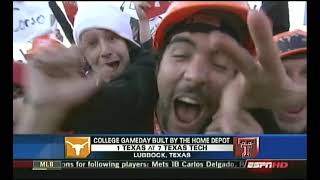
x=210, y=67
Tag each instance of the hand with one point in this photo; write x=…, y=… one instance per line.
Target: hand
x=230, y=117
x=55, y=85
x=233, y=123
x=141, y=9
x=144, y=27
x=266, y=84
x=55, y=73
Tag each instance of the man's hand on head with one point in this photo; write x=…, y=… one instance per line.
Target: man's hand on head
x=231, y=118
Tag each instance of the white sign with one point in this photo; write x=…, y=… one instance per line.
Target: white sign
x=31, y=19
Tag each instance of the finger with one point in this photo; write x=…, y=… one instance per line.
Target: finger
x=261, y=32
x=145, y=4
x=60, y=56
x=239, y=56
x=75, y=57
x=60, y=62
x=248, y=124
x=221, y=123
x=135, y=3
x=138, y=4
x=47, y=56
x=232, y=95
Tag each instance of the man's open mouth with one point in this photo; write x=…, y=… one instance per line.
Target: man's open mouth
x=114, y=64
x=187, y=109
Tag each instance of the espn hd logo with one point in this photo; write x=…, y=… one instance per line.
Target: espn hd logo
x=77, y=147
x=266, y=164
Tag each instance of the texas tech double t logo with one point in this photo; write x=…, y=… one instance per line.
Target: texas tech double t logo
x=246, y=147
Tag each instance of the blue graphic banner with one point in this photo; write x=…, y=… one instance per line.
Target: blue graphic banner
x=52, y=147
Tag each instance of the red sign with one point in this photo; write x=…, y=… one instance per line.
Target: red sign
x=158, y=8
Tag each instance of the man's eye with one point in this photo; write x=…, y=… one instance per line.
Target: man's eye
x=180, y=55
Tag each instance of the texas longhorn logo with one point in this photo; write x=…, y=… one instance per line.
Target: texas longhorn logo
x=77, y=147
x=246, y=147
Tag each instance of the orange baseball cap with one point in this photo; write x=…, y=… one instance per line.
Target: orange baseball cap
x=291, y=42
x=179, y=11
